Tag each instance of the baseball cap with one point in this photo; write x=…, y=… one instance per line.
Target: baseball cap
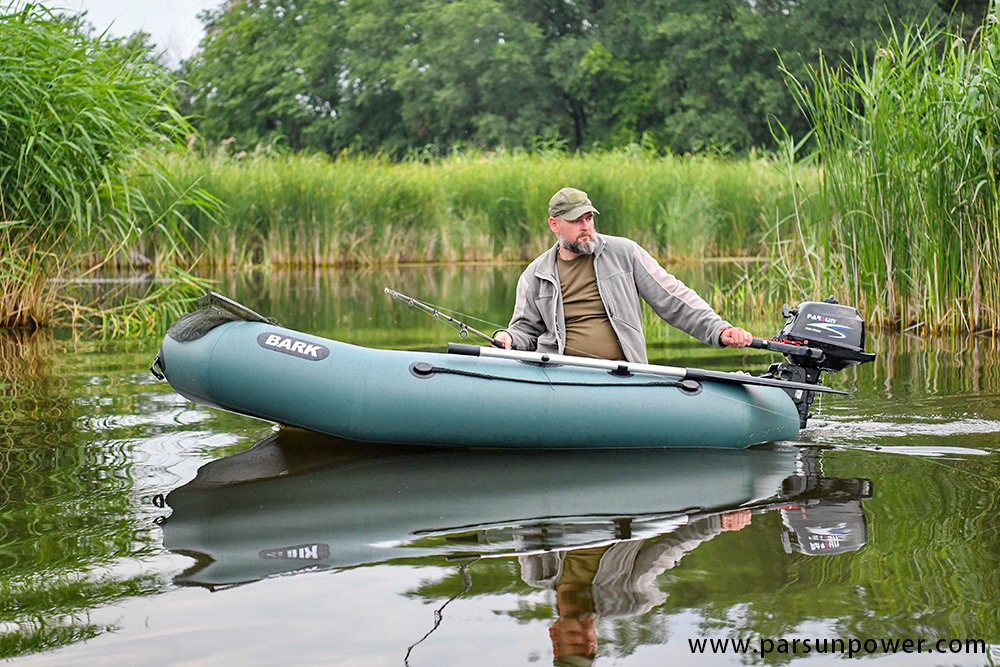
x=570, y=204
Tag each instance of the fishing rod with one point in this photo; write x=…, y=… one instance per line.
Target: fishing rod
x=463, y=329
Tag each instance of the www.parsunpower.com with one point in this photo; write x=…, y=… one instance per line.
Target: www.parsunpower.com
x=849, y=647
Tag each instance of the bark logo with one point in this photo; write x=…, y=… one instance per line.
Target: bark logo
x=293, y=346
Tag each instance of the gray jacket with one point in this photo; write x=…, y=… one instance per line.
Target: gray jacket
x=625, y=271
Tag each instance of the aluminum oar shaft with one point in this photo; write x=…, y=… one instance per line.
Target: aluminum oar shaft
x=625, y=367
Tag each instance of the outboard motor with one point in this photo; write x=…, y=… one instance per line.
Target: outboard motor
x=818, y=337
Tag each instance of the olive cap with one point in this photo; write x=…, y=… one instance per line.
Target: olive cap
x=570, y=204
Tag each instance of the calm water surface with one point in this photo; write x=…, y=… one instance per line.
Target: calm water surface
x=138, y=528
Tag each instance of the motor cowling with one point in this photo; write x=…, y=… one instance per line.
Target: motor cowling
x=832, y=328
x=818, y=337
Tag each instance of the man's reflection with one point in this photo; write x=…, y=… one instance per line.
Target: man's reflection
x=613, y=580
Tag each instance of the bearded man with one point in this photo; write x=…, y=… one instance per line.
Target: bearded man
x=582, y=296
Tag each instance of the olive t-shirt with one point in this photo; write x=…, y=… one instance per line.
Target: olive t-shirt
x=588, y=329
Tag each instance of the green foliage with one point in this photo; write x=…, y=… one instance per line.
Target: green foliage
x=249, y=81
x=394, y=76
x=70, y=115
x=82, y=121
x=908, y=144
x=300, y=210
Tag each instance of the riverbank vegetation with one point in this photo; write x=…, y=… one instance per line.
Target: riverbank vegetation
x=295, y=210
x=885, y=198
x=83, y=122
x=908, y=145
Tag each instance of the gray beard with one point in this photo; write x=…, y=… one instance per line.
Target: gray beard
x=580, y=248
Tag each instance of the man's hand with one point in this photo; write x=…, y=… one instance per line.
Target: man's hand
x=736, y=337
x=504, y=339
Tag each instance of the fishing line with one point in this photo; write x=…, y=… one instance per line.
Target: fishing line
x=438, y=613
x=954, y=469
x=923, y=457
x=458, y=313
x=452, y=312
x=439, y=312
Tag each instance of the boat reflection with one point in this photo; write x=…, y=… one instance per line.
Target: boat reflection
x=299, y=502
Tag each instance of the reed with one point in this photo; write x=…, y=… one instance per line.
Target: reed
x=299, y=210
x=82, y=123
x=908, y=141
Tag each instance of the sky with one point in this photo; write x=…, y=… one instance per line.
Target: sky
x=173, y=24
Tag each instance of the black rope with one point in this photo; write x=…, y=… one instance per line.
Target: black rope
x=430, y=370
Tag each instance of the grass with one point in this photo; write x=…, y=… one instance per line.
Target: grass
x=908, y=145
x=82, y=123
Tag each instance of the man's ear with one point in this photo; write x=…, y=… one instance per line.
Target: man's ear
x=554, y=226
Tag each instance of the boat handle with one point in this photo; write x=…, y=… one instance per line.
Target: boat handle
x=157, y=368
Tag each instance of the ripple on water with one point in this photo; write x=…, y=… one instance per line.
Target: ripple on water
x=926, y=436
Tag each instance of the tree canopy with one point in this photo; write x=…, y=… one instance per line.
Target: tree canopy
x=398, y=76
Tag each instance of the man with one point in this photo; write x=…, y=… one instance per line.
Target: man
x=582, y=296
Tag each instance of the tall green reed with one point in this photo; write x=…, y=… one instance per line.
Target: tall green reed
x=299, y=210
x=907, y=141
x=83, y=123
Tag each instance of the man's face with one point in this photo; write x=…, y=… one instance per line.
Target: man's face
x=576, y=236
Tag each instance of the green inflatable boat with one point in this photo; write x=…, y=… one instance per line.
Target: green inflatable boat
x=226, y=356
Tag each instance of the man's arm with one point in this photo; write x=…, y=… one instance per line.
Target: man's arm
x=526, y=324
x=676, y=303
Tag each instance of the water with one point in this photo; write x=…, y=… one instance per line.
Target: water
x=138, y=528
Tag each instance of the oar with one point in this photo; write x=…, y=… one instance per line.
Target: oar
x=618, y=367
x=625, y=367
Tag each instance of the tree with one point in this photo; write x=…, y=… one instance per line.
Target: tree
x=399, y=75
x=252, y=81
x=464, y=71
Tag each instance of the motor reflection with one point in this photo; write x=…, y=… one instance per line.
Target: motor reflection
x=820, y=517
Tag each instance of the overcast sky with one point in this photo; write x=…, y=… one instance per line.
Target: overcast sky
x=173, y=24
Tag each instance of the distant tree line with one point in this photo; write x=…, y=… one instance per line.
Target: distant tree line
x=404, y=76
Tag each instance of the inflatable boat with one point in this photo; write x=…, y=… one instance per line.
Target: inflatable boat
x=229, y=357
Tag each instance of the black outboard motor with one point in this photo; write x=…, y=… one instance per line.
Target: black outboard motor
x=818, y=337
